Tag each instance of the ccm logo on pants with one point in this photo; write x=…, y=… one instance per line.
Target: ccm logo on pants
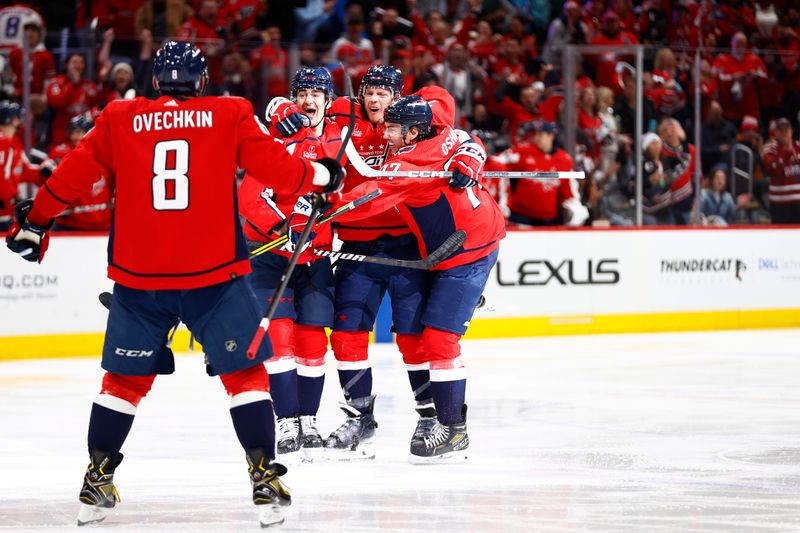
x=133, y=353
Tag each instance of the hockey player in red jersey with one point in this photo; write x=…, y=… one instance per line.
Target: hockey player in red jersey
x=434, y=209
x=539, y=202
x=92, y=211
x=14, y=163
x=297, y=331
x=176, y=253
x=360, y=288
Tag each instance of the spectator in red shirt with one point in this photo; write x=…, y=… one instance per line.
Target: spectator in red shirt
x=781, y=158
x=70, y=94
x=613, y=35
x=737, y=74
x=204, y=30
x=516, y=30
x=42, y=67
x=269, y=65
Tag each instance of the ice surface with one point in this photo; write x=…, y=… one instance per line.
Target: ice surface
x=618, y=433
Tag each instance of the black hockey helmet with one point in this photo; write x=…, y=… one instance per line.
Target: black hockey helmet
x=384, y=77
x=179, y=69
x=411, y=111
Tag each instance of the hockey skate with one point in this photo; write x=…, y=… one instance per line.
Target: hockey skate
x=425, y=423
x=98, y=494
x=354, y=438
x=270, y=495
x=447, y=443
x=310, y=439
x=288, y=440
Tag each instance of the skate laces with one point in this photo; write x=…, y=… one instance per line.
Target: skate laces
x=288, y=428
x=440, y=434
x=308, y=425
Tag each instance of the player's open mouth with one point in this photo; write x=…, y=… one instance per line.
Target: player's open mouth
x=375, y=109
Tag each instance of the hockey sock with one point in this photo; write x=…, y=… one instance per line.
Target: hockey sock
x=309, y=388
x=448, y=397
x=114, y=409
x=282, y=369
x=355, y=371
x=311, y=344
x=356, y=383
x=109, y=426
x=283, y=386
x=418, y=374
x=253, y=422
x=420, y=379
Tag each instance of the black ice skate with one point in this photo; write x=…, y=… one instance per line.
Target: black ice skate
x=354, y=438
x=98, y=494
x=310, y=439
x=288, y=439
x=270, y=495
x=425, y=423
x=447, y=443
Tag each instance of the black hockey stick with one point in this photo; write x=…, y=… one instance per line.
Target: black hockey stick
x=317, y=201
x=448, y=247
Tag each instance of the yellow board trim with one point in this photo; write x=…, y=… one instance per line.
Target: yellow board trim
x=486, y=328
x=69, y=345
x=83, y=344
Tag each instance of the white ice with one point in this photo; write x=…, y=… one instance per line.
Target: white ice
x=618, y=433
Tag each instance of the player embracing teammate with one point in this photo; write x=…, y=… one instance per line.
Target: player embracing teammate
x=434, y=209
x=297, y=331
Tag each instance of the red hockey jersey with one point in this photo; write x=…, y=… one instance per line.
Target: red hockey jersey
x=265, y=211
x=92, y=211
x=16, y=169
x=431, y=208
x=176, y=225
x=540, y=199
x=373, y=148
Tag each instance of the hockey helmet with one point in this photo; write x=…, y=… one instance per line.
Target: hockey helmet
x=384, y=77
x=179, y=69
x=312, y=78
x=411, y=111
x=9, y=111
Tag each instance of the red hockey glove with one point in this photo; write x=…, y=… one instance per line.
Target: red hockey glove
x=287, y=118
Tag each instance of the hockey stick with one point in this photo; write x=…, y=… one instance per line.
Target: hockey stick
x=450, y=245
x=317, y=201
x=78, y=209
x=264, y=248
x=367, y=171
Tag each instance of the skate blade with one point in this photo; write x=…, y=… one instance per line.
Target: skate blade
x=313, y=455
x=290, y=459
x=365, y=450
x=271, y=514
x=92, y=514
x=444, y=459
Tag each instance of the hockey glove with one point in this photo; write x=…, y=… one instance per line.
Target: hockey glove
x=297, y=221
x=328, y=175
x=286, y=117
x=26, y=239
x=46, y=168
x=466, y=164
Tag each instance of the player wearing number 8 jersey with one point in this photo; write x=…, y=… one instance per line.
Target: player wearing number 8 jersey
x=177, y=253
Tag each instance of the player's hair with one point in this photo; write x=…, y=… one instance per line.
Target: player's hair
x=179, y=69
